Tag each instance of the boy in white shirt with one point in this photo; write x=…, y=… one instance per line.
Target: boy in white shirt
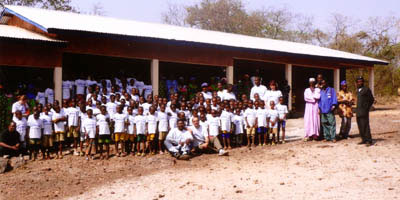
x=80, y=87
x=82, y=117
x=273, y=116
x=89, y=127
x=146, y=106
x=173, y=117
x=214, y=124
x=226, y=123
x=103, y=131
x=111, y=106
x=119, y=121
x=66, y=89
x=21, y=128
x=163, y=127
x=151, y=124
x=35, y=125
x=59, y=130
x=72, y=114
x=250, y=117
x=41, y=98
x=282, y=111
x=131, y=136
x=47, y=141
x=261, y=122
x=49, y=94
x=238, y=121
x=140, y=130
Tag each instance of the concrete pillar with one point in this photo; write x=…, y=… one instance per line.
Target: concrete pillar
x=288, y=76
x=336, y=79
x=154, y=70
x=371, y=79
x=229, y=74
x=57, y=78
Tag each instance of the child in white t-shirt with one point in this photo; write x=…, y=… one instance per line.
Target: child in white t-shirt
x=238, y=121
x=250, y=117
x=151, y=124
x=261, y=122
x=163, y=127
x=82, y=117
x=89, y=127
x=282, y=111
x=72, y=114
x=35, y=125
x=49, y=94
x=59, y=120
x=140, y=129
x=21, y=128
x=226, y=123
x=273, y=117
x=131, y=135
x=41, y=98
x=103, y=131
x=214, y=124
x=119, y=121
x=173, y=117
x=47, y=142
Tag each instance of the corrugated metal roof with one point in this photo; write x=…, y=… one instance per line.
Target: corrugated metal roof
x=7, y=31
x=46, y=19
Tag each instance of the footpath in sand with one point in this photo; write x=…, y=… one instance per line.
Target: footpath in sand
x=296, y=170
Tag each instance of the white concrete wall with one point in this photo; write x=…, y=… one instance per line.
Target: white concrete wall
x=57, y=78
x=288, y=76
x=154, y=70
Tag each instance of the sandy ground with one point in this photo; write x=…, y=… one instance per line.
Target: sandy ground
x=295, y=170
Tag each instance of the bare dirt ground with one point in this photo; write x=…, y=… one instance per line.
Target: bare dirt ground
x=295, y=170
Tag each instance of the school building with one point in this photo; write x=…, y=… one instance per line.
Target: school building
x=60, y=45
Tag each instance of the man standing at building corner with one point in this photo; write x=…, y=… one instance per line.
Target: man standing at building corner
x=327, y=105
x=365, y=99
x=258, y=88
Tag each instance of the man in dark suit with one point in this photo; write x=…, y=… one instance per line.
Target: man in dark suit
x=365, y=99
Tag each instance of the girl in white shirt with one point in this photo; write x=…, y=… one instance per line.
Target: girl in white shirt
x=46, y=118
x=273, y=116
x=82, y=117
x=35, y=125
x=214, y=124
x=163, y=127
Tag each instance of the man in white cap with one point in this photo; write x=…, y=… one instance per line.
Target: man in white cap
x=258, y=88
x=204, y=90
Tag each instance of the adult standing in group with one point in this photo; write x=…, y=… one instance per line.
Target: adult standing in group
x=311, y=115
x=327, y=106
x=365, y=99
x=345, y=101
x=273, y=94
x=258, y=88
x=22, y=106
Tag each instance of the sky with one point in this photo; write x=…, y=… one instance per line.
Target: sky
x=320, y=10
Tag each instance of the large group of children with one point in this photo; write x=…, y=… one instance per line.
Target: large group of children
x=93, y=116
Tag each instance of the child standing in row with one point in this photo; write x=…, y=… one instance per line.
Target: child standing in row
x=163, y=124
x=282, y=111
x=151, y=124
x=226, y=123
x=273, y=116
x=250, y=116
x=261, y=123
x=140, y=130
x=238, y=121
x=103, y=130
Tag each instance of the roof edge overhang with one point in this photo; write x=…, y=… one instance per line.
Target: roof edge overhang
x=345, y=61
